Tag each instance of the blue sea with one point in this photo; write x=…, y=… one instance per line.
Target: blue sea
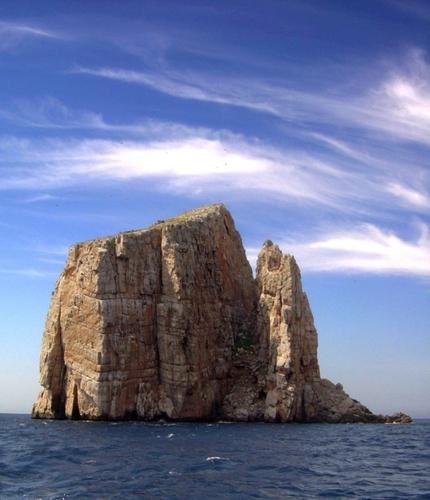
x=72, y=459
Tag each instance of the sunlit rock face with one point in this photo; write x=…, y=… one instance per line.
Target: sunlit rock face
x=168, y=322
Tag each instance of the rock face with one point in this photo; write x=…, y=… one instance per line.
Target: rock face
x=168, y=322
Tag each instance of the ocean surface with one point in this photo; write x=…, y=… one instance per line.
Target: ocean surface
x=67, y=459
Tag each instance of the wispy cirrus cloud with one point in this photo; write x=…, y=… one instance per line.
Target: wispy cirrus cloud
x=211, y=162
x=409, y=195
x=28, y=272
x=38, y=198
x=368, y=248
x=396, y=105
x=13, y=33
x=51, y=260
x=194, y=87
x=338, y=169
x=193, y=161
x=365, y=248
x=51, y=113
x=53, y=250
x=201, y=160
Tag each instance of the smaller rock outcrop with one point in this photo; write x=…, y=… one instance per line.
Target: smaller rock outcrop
x=283, y=368
x=168, y=322
x=397, y=418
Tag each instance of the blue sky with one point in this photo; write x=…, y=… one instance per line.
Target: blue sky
x=309, y=120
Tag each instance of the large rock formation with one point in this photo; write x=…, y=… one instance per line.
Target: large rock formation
x=168, y=322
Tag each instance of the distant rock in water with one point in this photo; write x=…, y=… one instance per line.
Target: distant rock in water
x=168, y=322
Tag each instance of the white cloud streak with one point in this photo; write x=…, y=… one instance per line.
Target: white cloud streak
x=27, y=272
x=56, y=250
x=196, y=158
x=409, y=195
x=366, y=248
x=193, y=161
x=12, y=33
x=202, y=162
x=174, y=84
x=51, y=113
x=48, y=260
x=398, y=106
x=39, y=198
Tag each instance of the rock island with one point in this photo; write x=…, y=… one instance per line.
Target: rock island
x=168, y=322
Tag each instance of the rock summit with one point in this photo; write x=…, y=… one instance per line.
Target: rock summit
x=168, y=322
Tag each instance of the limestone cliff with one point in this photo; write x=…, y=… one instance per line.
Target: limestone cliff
x=168, y=322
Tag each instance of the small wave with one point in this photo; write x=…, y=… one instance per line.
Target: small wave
x=215, y=459
x=170, y=436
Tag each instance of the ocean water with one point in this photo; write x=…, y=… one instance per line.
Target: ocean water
x=70, y=459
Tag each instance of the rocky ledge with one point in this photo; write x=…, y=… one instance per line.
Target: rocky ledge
x=169, y=323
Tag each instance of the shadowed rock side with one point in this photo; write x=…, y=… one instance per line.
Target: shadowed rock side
x=168, y=322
